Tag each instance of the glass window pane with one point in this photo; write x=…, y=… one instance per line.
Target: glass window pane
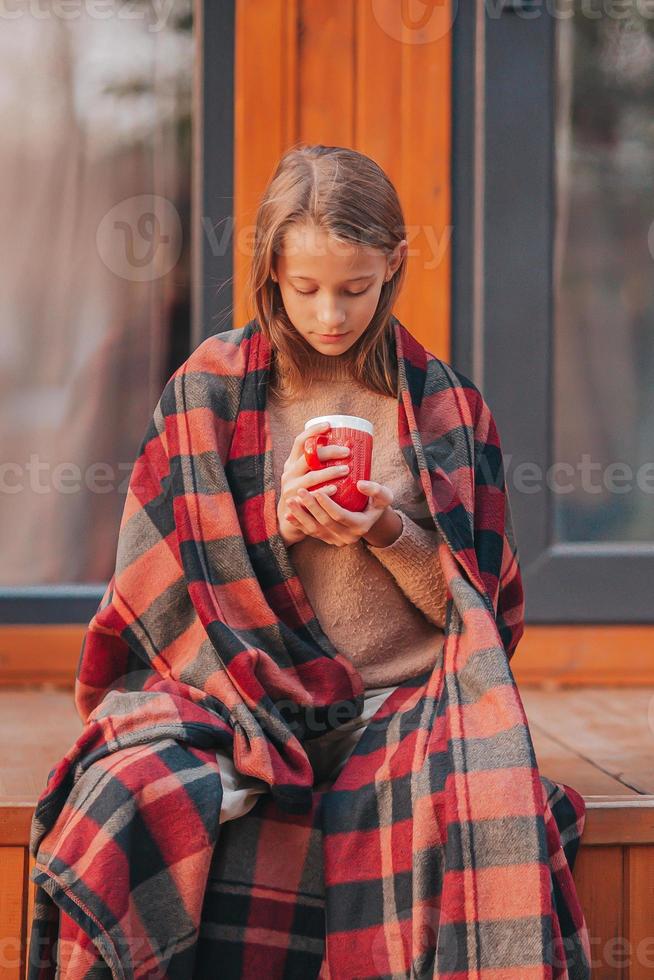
x=94, y=304
x=603, y=275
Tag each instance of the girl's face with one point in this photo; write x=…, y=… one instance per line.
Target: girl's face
x=330, y=289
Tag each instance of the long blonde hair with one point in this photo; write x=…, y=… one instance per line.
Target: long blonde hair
x=348, y=195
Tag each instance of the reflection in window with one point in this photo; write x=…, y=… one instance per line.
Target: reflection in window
x=604, y=282
x=94, y=310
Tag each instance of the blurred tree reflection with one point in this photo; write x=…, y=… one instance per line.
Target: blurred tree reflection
x=97, y=114
x=603, y=395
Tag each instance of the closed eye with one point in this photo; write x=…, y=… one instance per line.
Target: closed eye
x=347, y=292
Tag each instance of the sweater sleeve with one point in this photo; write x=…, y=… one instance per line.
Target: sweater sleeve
x=412, y=559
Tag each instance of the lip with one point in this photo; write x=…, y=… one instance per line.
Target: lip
x=330, y=338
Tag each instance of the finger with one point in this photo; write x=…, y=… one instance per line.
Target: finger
x=335, y=472
x=297, y=449
x=299, y=514
x=333, y=451
x=296, y=464
x=310, y=525
x=334, y=510
x=332, y=488
x=379, y=494
x=314, y=505
x=304, y=515
x=317, y=523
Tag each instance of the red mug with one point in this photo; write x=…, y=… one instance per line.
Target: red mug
x=355, y=433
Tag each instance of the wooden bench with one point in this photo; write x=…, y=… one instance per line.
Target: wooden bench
x=599, y=740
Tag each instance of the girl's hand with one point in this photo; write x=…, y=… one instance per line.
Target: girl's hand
x=297, y=477
x=321, y=517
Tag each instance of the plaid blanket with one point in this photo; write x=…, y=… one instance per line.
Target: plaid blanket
x=438, y=851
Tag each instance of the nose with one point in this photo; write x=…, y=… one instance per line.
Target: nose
x=329, y=316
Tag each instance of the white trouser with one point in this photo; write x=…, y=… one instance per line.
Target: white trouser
x=327, y=753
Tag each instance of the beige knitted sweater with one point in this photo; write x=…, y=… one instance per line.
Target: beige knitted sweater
x=384, y=608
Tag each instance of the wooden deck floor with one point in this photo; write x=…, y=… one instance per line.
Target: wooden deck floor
x=598, y=740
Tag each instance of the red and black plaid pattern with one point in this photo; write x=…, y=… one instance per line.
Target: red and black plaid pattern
x=438, y=851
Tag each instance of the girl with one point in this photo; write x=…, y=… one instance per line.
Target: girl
x=329, y=261
x=438, y=851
